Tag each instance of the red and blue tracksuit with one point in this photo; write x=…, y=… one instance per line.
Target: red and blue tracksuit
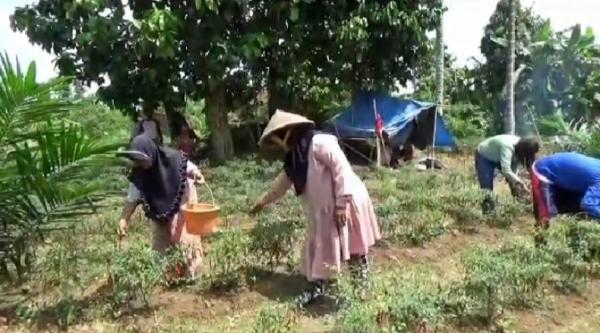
x=566, y=183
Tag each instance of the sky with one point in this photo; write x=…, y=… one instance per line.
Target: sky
x=464, y=24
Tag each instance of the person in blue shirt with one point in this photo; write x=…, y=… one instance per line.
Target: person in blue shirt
x=565, y=183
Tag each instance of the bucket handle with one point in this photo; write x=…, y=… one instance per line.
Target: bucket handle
x=210, y=192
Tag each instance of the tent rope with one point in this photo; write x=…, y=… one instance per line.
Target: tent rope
x=337, y=133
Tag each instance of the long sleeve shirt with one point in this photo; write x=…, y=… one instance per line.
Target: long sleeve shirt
x=501, y=149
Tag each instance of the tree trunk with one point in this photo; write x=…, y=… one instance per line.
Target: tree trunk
x=216, y=116
x=509, y=114
x=278, y=96
x=439, y=63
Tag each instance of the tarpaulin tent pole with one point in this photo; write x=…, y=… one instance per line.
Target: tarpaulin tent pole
x=378, y=133
x=434, y=135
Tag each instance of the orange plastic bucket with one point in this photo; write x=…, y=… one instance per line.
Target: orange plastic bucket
x=201, y=218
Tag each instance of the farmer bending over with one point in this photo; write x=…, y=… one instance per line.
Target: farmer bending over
x=565, y=183
x=159, y=178
x=342, y=222
x=505, y=153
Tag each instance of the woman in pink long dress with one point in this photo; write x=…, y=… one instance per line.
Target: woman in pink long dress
x=342, y=220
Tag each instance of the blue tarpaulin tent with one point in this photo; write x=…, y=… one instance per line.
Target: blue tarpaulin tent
x=402, y=118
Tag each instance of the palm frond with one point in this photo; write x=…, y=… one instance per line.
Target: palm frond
x=46, y=163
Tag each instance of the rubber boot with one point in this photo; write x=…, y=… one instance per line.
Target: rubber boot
x=359, y=267
x=315, y=290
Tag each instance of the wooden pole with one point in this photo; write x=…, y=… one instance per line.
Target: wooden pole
x=379, y=140
x=434, y=136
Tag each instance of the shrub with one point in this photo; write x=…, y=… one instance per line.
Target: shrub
x=584, y=239
x=227, y=256
x=391, y=302
x=464, y=206
x=134, y=273
x=61, y=266
x=275, y=238
x=275, y=318
x=175, y=265
x=566, y=242
x=424, y=227
x=467, y=120
x=506, y=213
x=497, y=278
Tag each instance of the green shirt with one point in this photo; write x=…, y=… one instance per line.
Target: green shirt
x=501, y=149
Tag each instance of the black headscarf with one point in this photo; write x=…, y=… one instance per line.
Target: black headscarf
x=163, y=185
x=296, y=160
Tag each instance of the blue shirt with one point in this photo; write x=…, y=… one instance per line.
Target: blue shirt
x=573, y=172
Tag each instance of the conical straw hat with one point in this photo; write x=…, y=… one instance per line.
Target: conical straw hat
x=281, y=120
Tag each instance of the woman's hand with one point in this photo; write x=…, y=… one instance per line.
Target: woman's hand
x=340, y=217
x=198, y=177
x=256, y=209
x=522, y=187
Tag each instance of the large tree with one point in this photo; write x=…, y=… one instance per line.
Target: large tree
x=494, y=46
x=306, y=54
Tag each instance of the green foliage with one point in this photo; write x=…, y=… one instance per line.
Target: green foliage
x=497, y=278
x=43, y=158
x=584, y=239
x=507, y=213
x=467, y=120
x=275, y=238
x=175, y=266
x=227, y=259
x=574, y=246
x=571, y=269
x=233, y=190
x=392, y=302
x=584, y=138
x=275, y=318
x=494, y=43
x=133, y=273
x=308, y=55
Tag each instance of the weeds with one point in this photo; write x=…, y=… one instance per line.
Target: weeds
x=274, y=239
x=497, y=278
x=134, y=274
x=574, y=246
x=391, y=302
x=275, y=318
x=228, y=259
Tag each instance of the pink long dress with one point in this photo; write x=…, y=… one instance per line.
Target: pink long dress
x=331, y=185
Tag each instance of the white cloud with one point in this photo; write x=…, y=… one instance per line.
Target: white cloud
x=17, y=45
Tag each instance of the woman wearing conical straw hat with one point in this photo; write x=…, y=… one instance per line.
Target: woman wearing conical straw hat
x=342, y=220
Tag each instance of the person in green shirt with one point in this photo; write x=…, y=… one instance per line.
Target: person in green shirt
x=503, y=152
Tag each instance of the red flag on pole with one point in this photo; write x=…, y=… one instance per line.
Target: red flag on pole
x=378, y=121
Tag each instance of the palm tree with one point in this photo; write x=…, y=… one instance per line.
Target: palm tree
x=43, y=160
x=509, y=114
x=439, y=63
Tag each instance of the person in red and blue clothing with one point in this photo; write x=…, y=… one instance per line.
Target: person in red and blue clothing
x=565, y=183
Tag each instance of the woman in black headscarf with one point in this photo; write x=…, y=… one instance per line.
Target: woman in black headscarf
x=161, y=177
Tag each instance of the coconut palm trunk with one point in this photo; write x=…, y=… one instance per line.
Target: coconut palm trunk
x=509, y=113
x=439, y=63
